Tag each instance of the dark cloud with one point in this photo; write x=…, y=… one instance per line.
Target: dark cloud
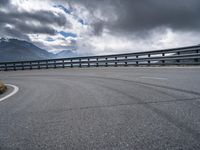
x=46, y=17
x=4, y=2
x=145, y=15
x=133, y=16
x=35, y=29
x=19, y=23
x=98, y=28
x=16, y=26
x=14, y=33
x=141, y=15
x=42, y=17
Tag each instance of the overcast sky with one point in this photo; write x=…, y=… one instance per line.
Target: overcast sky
x=102, y=26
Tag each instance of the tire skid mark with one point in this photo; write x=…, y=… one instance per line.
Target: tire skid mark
x=154, y=85
x=117, y=79
x=182, y=126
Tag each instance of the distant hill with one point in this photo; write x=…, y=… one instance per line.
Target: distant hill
x=18, y=50
x=15, y=50
x=66, y=53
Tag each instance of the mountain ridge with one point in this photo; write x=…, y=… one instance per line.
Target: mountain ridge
x=20, y=50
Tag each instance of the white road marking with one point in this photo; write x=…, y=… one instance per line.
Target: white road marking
x=154, y=78
x=16, y=89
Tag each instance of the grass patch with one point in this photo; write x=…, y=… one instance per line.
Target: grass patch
x=3, y=88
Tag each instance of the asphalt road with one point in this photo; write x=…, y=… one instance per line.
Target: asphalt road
x=102, y=108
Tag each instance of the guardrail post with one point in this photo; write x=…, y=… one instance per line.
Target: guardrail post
x=47, y=66
x=88, y=62
x=6, y=68
x=31, y=65
x=80, y=63
x=22, y=66
x=163, y=61
x=71, y=63
x=97, y=64
x=196, y=59
x=149, y=55
x=115, y=61
x=63, y=63
x=178, y=53
x=54, y=62
x=14, y=67
x=126, y=61
x=106, y=62
x=38, y=63
x=136, y=61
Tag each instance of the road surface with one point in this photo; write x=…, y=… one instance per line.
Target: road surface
x=142, y=108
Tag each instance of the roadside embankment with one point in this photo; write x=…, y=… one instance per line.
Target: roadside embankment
x=3, y=88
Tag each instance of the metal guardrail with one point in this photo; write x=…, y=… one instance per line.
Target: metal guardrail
x=177, y=56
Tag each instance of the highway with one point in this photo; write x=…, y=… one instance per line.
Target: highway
x=140, y=108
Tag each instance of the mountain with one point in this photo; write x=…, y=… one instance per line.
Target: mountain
x=66, y=53
x=18, y=50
